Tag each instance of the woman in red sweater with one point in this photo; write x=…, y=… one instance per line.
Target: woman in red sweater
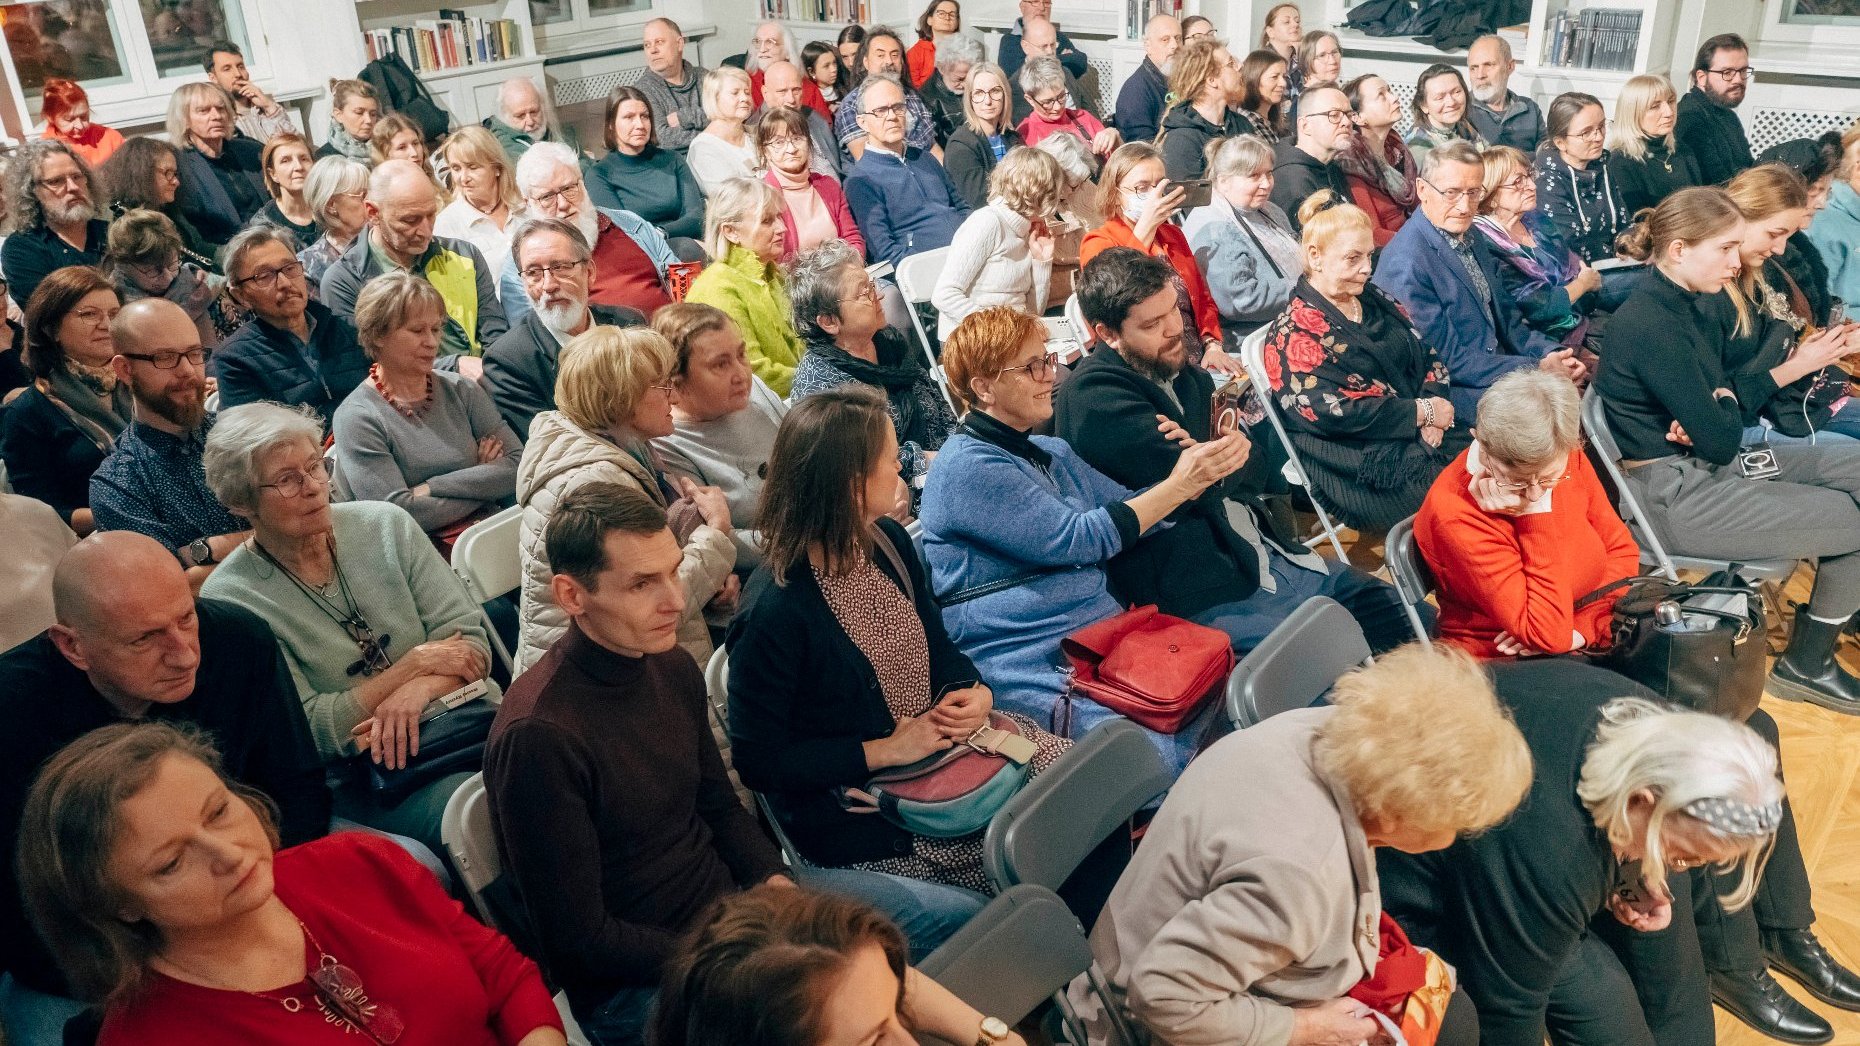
x=1138, y=200
x=1518, y=528
x=154, y=881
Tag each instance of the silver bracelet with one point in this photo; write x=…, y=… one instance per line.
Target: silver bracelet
x=1427, y=414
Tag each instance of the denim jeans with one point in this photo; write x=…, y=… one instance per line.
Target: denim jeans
x=928, y=913
x=32, y=1018
x=1374, y=604
x=1835, y=432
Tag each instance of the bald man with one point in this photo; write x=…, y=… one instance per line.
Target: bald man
x=401, y=205
x=132, y=642
x=1144, y=97
x=784, y=86
x=522, y=119
x=153, y=482
x=1013, y=53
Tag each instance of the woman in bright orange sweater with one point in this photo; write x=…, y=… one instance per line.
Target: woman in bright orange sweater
x=1137, y=200
x=1519, y=528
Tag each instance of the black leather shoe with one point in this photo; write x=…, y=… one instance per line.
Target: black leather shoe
x=1798, y=955
x=1756, y=999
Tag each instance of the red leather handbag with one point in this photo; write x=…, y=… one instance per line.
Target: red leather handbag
x=1154, y=669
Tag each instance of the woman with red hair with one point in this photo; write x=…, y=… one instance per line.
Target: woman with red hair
x=66, y=110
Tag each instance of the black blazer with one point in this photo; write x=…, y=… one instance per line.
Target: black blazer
x=804, y=700
x=520, y=366
x=47, y=456
x=1107, y=411
x=969, y=160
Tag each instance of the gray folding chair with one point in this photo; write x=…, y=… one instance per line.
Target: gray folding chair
x=1253, y=360
x=717, y=688
x=1414, y=579
x=487, y=560
x=917, y=276
x=1296, y=663
x=1024, y=948
x=465, y=831
x=1595, y=425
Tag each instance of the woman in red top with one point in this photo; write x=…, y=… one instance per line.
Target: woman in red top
x=1138, y=201
x=941, y=18
x=65, y=107
x=154, y=881
x=1518, y=528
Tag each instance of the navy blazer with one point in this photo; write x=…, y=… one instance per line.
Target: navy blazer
x=1420, y=270
x=204, y=200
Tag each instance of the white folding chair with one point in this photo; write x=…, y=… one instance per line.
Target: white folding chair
x=917, y=276
x=485, y=557
x=1253, y=359
x=465, y=831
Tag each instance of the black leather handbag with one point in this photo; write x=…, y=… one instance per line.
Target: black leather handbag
x=1693, y=655
x=451, y=742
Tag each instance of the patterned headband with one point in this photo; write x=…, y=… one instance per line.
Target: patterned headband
x=1731, y=817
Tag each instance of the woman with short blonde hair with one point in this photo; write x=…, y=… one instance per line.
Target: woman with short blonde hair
x=1002, y=254
x=722, y=150
x=613, y=395
x=1227, y=928
x=1646, y=162
x=745, y=234
x=986, y=135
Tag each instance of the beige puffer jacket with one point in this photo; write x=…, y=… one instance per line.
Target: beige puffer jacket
x=559, y=457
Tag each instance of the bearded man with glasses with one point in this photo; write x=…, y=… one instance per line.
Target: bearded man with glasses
x=1708, y=126
x=293, y=350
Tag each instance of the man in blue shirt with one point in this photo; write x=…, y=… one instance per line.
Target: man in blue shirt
x=154, y=482
x=293, y=350
x=901, y=197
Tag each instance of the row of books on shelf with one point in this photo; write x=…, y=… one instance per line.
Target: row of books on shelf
x=452, y=40
x=1594, y=38
x=845, y=12
x=1137, y=14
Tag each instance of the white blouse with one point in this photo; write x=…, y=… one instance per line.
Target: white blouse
x=715, y=161
x=461, y=221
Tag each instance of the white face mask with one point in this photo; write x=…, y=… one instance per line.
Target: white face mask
x=1135, y=204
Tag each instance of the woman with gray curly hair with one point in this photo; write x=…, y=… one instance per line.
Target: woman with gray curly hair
x=373, y=624
x=837, y=310
x=1553, y=918
x=52, y=207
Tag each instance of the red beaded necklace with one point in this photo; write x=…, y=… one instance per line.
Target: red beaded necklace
x=411, y=410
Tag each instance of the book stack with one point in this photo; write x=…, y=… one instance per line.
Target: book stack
x=451, y=41
x=1137, y=14
x=1594, y=38
x=846, y=12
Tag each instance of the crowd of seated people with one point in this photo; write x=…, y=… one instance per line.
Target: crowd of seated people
x=776, y=533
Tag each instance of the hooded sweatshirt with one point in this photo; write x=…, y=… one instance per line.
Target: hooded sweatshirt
x=1297, y=174
x=1185, y=137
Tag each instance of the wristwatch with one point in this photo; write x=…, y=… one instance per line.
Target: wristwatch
x=993, y=1030
x=200, y=552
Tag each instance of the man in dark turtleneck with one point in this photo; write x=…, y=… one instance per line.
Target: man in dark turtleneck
x=1708, y=124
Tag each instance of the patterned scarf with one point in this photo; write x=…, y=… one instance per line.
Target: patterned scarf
x=347, y=144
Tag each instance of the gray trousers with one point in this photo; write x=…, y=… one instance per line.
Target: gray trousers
x=1809, y=511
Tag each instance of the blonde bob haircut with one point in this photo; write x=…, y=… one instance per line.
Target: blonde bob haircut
x=976, y=123
x=736, y=204
x=1419, y=739
x=986, y=341
x=1502, y=163
x=712, y=90
x=390, y=301
x=605, y=372
x=1027, y=181
x=476, y=144
x=1529, y=419
x=183, y=99
x=1325, y=216
x=1116, y=169
x=1679, y=757
x=1637, y=96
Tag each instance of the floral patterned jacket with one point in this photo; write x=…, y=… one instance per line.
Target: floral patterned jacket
x=1330, y=382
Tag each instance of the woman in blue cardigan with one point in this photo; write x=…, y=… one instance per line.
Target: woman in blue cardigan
x=1017, y=527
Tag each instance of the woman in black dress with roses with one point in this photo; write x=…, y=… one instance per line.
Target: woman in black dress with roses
x=1363, y=397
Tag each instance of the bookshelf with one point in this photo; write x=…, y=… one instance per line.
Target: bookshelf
x=1596, y=45
x=464, y=53
x=822, y=20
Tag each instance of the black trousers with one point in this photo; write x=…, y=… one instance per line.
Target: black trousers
x=1784, y=901
x=1624, y=988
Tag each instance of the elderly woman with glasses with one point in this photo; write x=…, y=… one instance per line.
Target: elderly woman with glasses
x=613, y=396
x=428, y=440
x=836, y=308
x=1575, y=191
x=1553, y=286
x=144, y=259
x=374, y=625
x=1043, y=82
x=1003, y=503
x=985, y=135
x=222, y=174
x=1243, y=240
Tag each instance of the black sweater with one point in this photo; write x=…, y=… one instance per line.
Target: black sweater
x=1714, y=136
x=1662, y=357
x=1797, y=409
x=1508, y=906
x=1647, y=181
x=1185, y=137
x=969, y=159
x=243, y=698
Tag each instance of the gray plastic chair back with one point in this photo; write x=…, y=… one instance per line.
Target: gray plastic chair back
x=717, y=689
x=1253, y=361
x=1013, y=955
x=1595, y=424
x=1414, y=579
x=1049, y=827
x=1296, y=663
x=465, y=831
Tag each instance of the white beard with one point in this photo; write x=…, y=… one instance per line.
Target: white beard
x=562, y=317
x=588, y=221
x=1491, y=94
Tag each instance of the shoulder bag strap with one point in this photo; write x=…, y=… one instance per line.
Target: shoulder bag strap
x=964, y=595
x=1625, y=582
x=890, y=552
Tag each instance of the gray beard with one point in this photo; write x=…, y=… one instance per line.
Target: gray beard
x=60, y=214
x=588, y=222
x=1491, y=94
x=562, y=318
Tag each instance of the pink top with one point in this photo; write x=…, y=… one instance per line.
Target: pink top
x=1077, y=121
x=815, y=223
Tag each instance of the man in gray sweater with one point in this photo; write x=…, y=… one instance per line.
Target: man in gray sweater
x=674, y=86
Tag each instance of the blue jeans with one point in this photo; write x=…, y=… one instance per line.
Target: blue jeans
x=928, y=913
x=32, y=1018
x=1838, y=430
x=1374, y=604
